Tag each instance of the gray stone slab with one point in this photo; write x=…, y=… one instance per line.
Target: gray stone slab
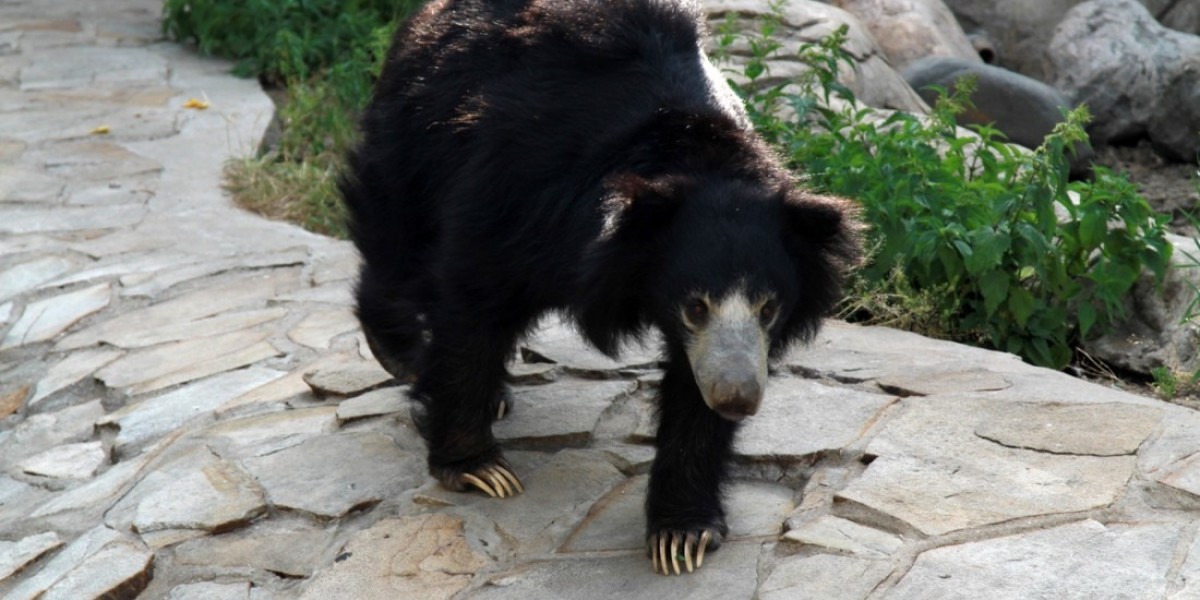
x=26, y=276
x=118, y=569
x=6, y=313
x=373, y=404
x=71, y=370
x=798, y=418
x=123, y=265
x=250, y=291
x=287, y=547
x=328, y=476
x=728, y=573
x=71, y=461
x=271, y=432
x=934, y=473
x=556, y=341
x=41, y=220
x=154, y=284
x=45, y=319
x=144, y=421
x=14, y=556
x=75, y=553
x=40, y=432
x=928, y=382
x=347, y=379
x=202, y=328
x=561, y=413
x=1072, y=428
x=836, y=533
x=1189, y=574
x=618, y=520
x=1085, y=559
x=216, y=497
x=208, y=590
x=319, y=328
x=824, y=577
x=152, y=369
x=97, y=494
x=18, y=184
x=271, y=396
x=81, y=67
x=422, y=556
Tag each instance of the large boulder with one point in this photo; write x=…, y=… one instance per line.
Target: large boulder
x=1023, y=109
x=1020, y=30
x=873, y=81
x=1140, y=79
x=908, y=30
x=1156, y=334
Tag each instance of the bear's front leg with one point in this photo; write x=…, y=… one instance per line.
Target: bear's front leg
x=684, y=516
x=460, y=391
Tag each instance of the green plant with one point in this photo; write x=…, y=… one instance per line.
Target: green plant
x=1165, y=382
x=1014, y=255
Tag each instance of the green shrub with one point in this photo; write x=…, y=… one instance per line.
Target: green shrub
x=967, y=222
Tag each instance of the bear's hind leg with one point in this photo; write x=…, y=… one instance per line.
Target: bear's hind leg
x=460, y=391
x=684, y=515
x=393, y=317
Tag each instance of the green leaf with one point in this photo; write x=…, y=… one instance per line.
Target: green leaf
x=994, y=287
x=1093, y=227
x=1087, y=318
x=1020, y=303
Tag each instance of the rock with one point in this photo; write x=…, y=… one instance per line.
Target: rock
x=934, y=473
x=12, y=400
x=1156, y=332
x=29, y=275
x=347, y=379
x=143, y=422
x=1023, y=109
x=799, y=418
x=1138, y=78
x=98, y=494
x=72, y=461
x=319, y=328
x=217, y=496
x=411, y=557
x=99, y=562
x=1071, y=429
x=59, y=218
x=45, y=319
x=42, y=432
x=928, y=382
x=1182, y=16
x=1019, y=31
x=207, y=590
x=908, y=30
x=329, y=476
x=873, y=81
x=75, y=67
x=838, y=534
x=14, y=556
x=263, y=434
x=202, y=328
x=289, y=549
x=373, y=404
x=728, y=573
x=1085, y=559
x=563, y=413
x=556, y=341
x=163, y=366
x=823, y=576
x=72, y=369
x=617, y=521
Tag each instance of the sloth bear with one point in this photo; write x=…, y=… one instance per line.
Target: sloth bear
x=581, y=156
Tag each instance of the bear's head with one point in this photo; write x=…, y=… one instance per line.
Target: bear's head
x=731, y=270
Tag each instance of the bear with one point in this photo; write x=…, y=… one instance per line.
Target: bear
x=584, y=157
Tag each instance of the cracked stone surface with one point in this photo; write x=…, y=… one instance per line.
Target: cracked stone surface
x=188, y=409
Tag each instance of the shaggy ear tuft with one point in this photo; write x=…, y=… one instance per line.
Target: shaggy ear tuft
x=638, y=206
x=825, y=225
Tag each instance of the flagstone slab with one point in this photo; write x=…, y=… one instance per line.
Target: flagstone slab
x=347, y=379
x=45, y=319
x=842, y=535
x=1072, y=428
x=162, y=366
x=729, y=573
x=243, y=292
x=97, y=495
x=285, y=547
x=41, y=432
x=83, y=67
x=563, y=413
x=19, y=184
x=217, y=496
x=71, y=370
x=329, y=476
x=271, y=432
x=119, y=570
x=1085, y=559
x=319, y=328
x=927, y=382
x=112, y=267
x=799, y=418
x=557, y=341
x=142, y=422
x=158, y=282
x=936, y=474
x=71, y=461
x=269, y=395
x=422, y=556
x=824, y=577
x=201, y=328
x=376, y=403
x=16, y=221
x=209, y=590
x=14, y=556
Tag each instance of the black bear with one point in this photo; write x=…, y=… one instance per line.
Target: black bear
x=582, y=156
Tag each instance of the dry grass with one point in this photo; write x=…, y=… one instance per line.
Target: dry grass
x=304, y=192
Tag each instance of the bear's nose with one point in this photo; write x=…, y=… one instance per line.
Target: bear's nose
x=736, y=398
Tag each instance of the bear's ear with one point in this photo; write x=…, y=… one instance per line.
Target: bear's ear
x=822, y=233
x=615, y=269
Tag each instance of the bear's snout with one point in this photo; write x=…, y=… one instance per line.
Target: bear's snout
x=737, y=396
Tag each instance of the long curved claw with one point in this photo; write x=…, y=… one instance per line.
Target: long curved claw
x=511, y=477
x=479, y=483
x=662, y=553
x=705, y=538
x=689, y=548
x=500, y=410
x=675, y=552
x=654, y=553
x=500, y=483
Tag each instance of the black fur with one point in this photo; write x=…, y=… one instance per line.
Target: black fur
x=522, y=156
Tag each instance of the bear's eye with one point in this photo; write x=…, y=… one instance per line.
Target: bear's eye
x=766, y=314
x=696, y=311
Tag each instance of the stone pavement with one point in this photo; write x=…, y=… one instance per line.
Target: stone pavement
x=188, y=410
